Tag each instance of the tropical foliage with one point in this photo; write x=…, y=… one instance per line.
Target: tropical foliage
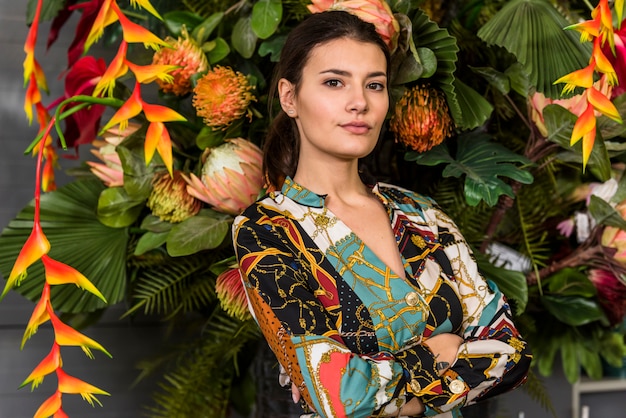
x=508, y=113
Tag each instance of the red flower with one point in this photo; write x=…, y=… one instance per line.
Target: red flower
x=612, y=294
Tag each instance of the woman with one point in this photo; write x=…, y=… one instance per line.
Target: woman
x=367, y=293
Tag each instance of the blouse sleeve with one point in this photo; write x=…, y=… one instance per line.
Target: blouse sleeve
x=494, y=358
x=298, y=323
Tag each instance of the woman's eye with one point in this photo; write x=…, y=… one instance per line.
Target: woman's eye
x=377, y=86
x=333, y=83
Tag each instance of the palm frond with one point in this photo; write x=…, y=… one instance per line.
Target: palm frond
x=78, y=239
x=533, y=31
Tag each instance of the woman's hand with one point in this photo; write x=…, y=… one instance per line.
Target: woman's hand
x=445, y=348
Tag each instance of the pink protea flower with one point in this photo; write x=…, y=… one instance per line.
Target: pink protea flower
x=232, y=295
x=231, y=176
x=376, y=12
x=612, y=294
x=169, y=199
x=421, y=118
x=110, y=171
x=222, y=96
x=185, y=53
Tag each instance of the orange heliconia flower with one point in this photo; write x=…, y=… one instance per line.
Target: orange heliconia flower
x=35, y=247
x=39, y=316
x=134, y=33
x=60, y=273
x=222, y=96
x=50, y=406
x=116, y=69
x=65, y=335
x=48, y=365
x=149, y=73
x=105, y=17
x=158, y=139
x=145, y=4
x=157, y=136
x=579, y=78
x=71, y=385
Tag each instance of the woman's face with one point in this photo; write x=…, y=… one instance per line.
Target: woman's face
x=342, y=100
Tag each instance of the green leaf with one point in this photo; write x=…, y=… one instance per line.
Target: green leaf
x=243, y=37
x=560, y=123
x=209, y=138
x=518, y=79
x=474, y=107
x=219, y=51
x=196, y=234
x=532, y=30
x=223, y=265
x=137, y=176
x=116, y=209
x=273, y=47
x=49, y=10
x=569, y=360
x=155, y=224
x=150, y=241
x=409, y=70
x=571, y=282
x=427, y=34
x=202, y=32
x=266, y=15
x=591, y=362
x=404, y=6
x=511, y=283
x=78, y=239
x=482, y=162
x=177, y=19
x=428, y=61
x=572, y=310
x=605, y=214
x=495, y=78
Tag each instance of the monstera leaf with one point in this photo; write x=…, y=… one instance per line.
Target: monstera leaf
x=532, y=30
x=482, y=162
x=77, y=238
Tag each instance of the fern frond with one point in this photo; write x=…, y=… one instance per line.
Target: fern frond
x=202, y=372
x=182, y=284
x=536, y=389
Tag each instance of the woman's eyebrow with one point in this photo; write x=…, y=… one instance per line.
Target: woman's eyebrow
x=348, y=73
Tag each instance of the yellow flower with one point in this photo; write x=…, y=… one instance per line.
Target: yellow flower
x=189, y=59
x=169, y=199
x=222, y=96
x=421, y=119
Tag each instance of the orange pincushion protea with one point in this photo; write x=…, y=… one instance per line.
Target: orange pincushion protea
x=185, y=53
x=421, y=119
x=222, y=96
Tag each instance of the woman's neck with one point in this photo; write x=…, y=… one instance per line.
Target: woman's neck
x=336, y=180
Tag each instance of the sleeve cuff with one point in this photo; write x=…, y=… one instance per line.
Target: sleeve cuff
x=423, y=381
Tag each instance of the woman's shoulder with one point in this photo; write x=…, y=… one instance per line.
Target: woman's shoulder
x=403, y=196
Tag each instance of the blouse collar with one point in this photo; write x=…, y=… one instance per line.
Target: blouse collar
x=305, y=197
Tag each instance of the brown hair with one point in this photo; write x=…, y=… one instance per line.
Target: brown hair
x=282, y=143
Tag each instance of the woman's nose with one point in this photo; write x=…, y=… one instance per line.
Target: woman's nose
x=358, y=101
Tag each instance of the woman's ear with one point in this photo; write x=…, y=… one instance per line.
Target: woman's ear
x=286, y=94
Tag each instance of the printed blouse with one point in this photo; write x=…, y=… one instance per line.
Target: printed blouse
x=349, y=332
